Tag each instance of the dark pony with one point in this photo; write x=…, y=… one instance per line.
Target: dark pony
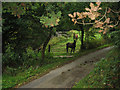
x=71, y=45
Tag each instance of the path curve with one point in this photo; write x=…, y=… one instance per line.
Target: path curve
x=67, y=75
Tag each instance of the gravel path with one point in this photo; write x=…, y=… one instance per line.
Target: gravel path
x=67, y=75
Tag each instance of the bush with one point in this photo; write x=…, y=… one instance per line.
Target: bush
x=12, y=61
x=10, y=58
x=31, y=57
x=93, y=43
x=115, y=37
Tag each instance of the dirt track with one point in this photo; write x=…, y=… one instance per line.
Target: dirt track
x=67, y=75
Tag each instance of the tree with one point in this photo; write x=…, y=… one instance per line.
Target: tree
x=49, y=22
x=30, y=13
x=95, y=18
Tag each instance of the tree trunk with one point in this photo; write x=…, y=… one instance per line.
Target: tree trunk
x=45, y=44
x=82, y=37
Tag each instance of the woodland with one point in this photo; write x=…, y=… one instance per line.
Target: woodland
x=40, y=36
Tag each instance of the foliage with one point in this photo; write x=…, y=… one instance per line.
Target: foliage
x=31, y=57
x=24, y=32
x=10, y=58
x=92, y=13
x=51, y=20
x=115, y=37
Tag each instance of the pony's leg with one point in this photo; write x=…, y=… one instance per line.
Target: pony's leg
x=74, y=50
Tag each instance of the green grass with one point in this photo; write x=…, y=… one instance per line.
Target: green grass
x=105, y=74
x=58, y=45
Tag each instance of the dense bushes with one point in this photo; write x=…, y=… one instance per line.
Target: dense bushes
x=115, y=37
x=11, y=60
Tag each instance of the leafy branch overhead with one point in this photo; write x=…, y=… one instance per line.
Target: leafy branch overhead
x=51, y=20
x=102, y=22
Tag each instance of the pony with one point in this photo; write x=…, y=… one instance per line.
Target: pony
x=71, y=45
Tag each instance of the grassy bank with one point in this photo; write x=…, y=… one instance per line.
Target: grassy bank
x=105, y=74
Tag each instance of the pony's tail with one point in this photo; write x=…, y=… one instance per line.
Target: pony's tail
x=67, y=47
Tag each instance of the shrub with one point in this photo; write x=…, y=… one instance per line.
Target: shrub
x=31, y=57
x=10, y=58
x=115, y=37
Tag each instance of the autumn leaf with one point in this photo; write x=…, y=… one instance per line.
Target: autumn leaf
x=92, y=6
x=95, y=8
x=104, y=32
x=99, y=8
x=98, y=3
x=110, y=26
x=87, y=9
x=96, y=21
x=73, y=20
x=70, y=15
x=56, y=23
x=46, y=26
x=98, y=24
x=101, y=27
x=51, y=24
x=92, y=17
x=74, y=14
x=100, y=31
x=119, y=17
x=96, y=14
x=85, y=13
x=78, y=13
x=80, y=16
x=107, y=20
x=109, y=10
x=18, y=15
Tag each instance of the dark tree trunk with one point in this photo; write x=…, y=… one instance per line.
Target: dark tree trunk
x=82, y=37
x=45, y=44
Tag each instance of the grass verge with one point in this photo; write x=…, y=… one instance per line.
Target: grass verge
x=105, y=74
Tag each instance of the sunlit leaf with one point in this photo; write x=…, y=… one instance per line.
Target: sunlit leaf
x=100, y=31
x=107, y=20
x=110, y=26
x=74, y=14
x=119, y=17
x=109, y=10
x=70, y=15
x=92, y=6
x=73, y=20
x=80, y=16
x=98, y=3
x=87, y=9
